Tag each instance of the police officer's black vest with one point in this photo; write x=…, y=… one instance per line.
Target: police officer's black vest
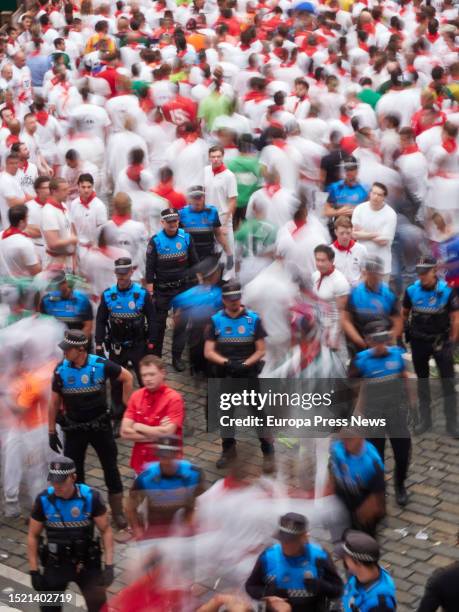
x=127, y=321
x=68, y=520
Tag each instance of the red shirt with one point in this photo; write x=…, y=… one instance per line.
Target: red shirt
x=149, y=408
x=180, y=110
x=165, y=190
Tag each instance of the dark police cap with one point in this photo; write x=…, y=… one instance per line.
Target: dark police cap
x=196, y=191
x=61, y=469
x=231, y=291
x=123, y=264
x=359, y=546
x=425, y=264
x=209, y=265
x=374, y=264
x=73, y=338
x=168, y=445
x=292, y=525
x=350, y=163
x=377, y=331
x=169, y=214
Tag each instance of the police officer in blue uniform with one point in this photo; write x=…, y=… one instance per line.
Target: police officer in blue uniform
x=195, y=306
x=67, y=512
x=385, y=379
x=370, y=300
x=431, y=312
x=68, y=305
x=126, y=325
x=370, y=587
x=203, y=224
x=235, y=346
x=79, y=405
x=170, y=256
x=296, y=570
x=169, y=485
x=357, y=475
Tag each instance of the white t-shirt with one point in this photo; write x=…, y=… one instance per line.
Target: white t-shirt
x=330, y=287
x=219, y=187
x=54, y=219
x=187, y=162
x=286, y=161
x=351, y=262
x=383, y=222
x=89, y=119
x=27, y=178
x=9, y=188
x=132, y=237
x=35, y=216
x=87, y=219
x=16, y=253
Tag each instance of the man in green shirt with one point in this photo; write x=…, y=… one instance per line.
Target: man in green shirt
x=247, y=170
x=368, y=95
x=216, y=103
x=255, y=245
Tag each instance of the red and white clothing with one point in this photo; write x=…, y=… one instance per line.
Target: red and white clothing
x=285, y=159
x=28, y=172
x=56, y=217
x=17, y=252
x=10, y=187
x=187, y=159
x=87, y=217
x=350, y=260
x=131, y=236
x=35, y=209
x=219, y=187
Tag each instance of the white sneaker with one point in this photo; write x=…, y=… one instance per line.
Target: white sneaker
x=12, y=510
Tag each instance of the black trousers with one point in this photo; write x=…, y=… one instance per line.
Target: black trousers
x=57, y=579
x=103, y=442
x=133, y=355
x=401, y=448
x=229, y=444
x=443, y=356
x=163, y=299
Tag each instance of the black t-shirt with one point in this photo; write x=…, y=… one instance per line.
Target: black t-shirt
x=98, y=506
x=331, y=164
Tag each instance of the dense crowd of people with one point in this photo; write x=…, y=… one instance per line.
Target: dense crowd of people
x=277, y=183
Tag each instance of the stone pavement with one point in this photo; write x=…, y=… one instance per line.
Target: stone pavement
x=415, y=541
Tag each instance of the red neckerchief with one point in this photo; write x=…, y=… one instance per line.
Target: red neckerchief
x=322, y=276
x=120, y=219
x=24, y=166
x=190, y=138
x=298, y=225
x=369, y=28
x=230, y=482
x=133, y=172
x=432, y=37
x=256, y=96
x=299, y=100
x=87, y=202
x=55, y=203
x=412, y=148
x=363, y=46
x=340, y=247
x=11, y=139
x=39, y=202
x=272, y=189
x=163, y=189
x=11, y=231
x=220, y=168
x=450, y=145
x=279, y=143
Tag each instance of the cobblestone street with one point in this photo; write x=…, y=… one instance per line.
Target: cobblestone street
x=415, y=541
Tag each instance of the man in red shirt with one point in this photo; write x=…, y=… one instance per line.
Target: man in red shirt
x=154, y=410
x=180, y=110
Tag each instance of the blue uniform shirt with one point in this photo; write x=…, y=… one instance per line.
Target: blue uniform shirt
x=201, y=224
x=366, y=305
x=342, y=194
x=356, y=476
x=378, y=595
x=390, y=365
x=73, y=311
x=430, y=309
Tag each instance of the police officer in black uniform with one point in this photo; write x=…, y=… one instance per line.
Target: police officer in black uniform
x=295, y=570
x=79, y=405
x=235, y=347
x=67, y=512
x=170, y=255
x=125, y=323
x=431, y=313
x=68, y=305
